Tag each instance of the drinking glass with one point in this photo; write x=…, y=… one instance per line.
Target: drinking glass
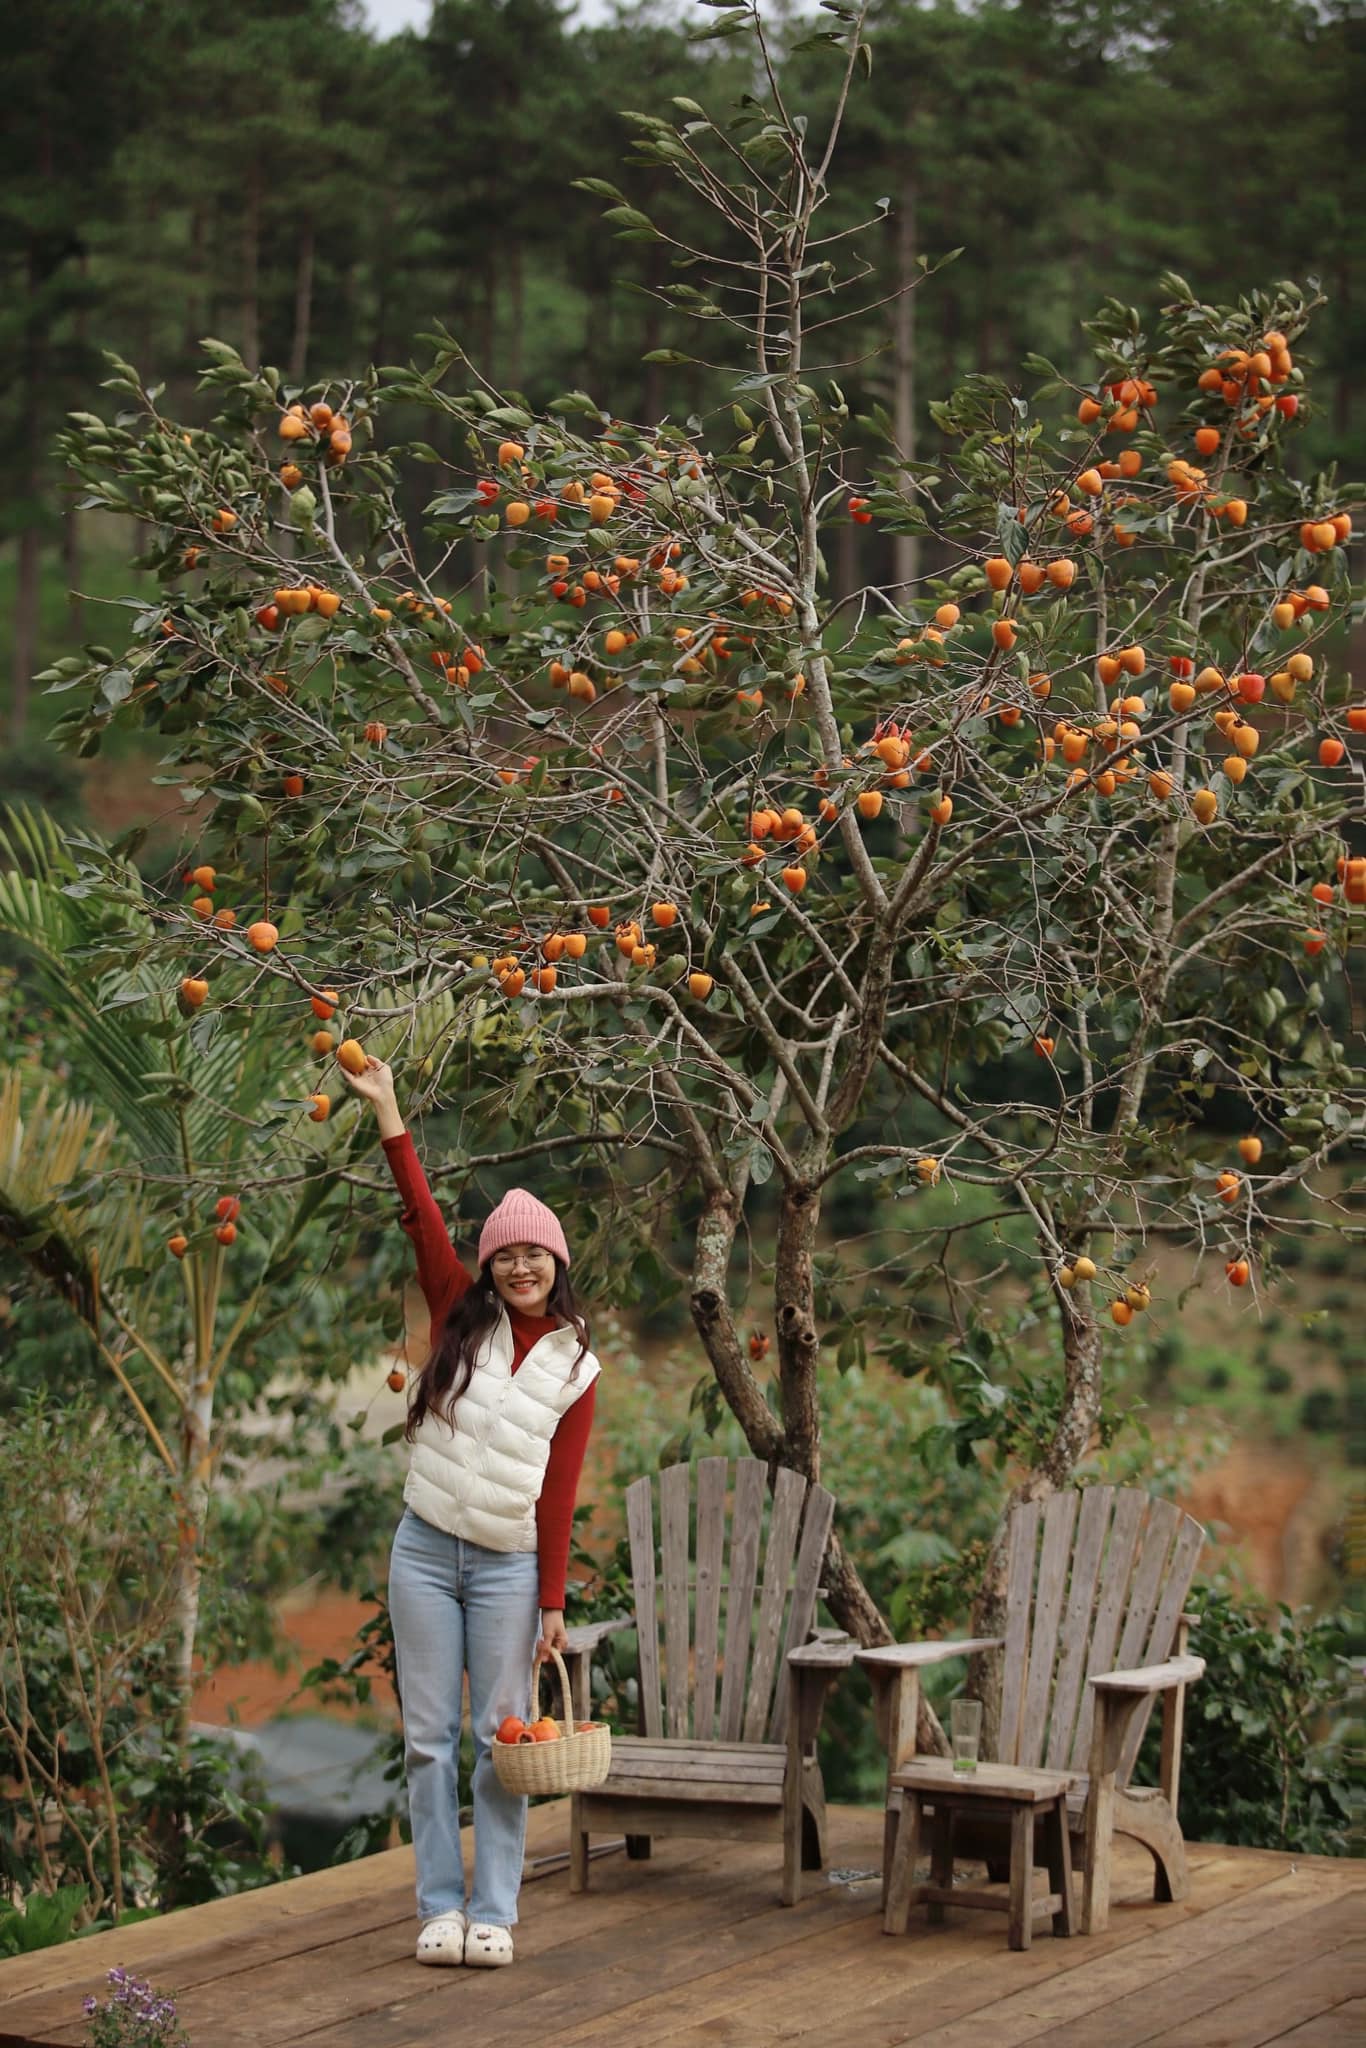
x=965, y=1724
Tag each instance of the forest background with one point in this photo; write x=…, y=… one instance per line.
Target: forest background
x=315, y=196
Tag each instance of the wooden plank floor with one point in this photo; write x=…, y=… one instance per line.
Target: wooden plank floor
x=692, y=1949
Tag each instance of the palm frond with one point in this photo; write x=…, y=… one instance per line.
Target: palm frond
x=41, y=1154
x=70, y=1224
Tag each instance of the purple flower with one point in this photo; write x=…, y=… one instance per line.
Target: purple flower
x=133, y=2016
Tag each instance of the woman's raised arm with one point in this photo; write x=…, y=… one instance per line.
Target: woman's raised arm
x=441, y=1276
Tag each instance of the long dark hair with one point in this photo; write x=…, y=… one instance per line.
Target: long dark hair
x=448, y=1371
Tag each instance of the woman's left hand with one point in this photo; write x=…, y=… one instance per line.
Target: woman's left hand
x=554, y=1635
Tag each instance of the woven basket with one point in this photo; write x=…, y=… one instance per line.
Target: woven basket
x=571, y=1764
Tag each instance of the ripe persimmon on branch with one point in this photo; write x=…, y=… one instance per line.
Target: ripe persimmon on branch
x=630, y=837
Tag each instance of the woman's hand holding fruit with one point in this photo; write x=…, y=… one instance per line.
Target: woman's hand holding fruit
x=375, y=1083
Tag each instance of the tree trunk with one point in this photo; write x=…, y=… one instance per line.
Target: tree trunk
x=303, y=302
x=251, y=270
x=514, y=270
x=797, y=1442
x=1342, y=393
x=652, y=393
x=192, y=1502
x=716, y=1327
x=846, y=565
x=197, y=318
x=486, y=328
x=71, y=567
x=26, y=591
x=905, y=546
x=795, y=1316
x=1076, y=1425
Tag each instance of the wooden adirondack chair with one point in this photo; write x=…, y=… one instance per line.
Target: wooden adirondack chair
x=1095, y=1632
x=729, y=1760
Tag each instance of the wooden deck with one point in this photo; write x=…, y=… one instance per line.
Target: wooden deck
x=692, y=1949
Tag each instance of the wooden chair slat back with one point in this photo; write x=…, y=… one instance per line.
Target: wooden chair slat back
x=1181, y=1562
x=816, y=1526
x=789, y=1492
x=712, y=1474
x=739, y=1606
x=640, y=1530
x=674, y=1508
x=1093, y=1521
x=1050, y=1592
x=1096, y=1581
x=1131, y=1507
x=746, y=1527
x=1024, y=1536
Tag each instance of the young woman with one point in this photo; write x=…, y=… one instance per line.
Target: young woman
x=498, y=1422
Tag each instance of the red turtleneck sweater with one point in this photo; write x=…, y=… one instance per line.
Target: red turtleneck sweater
x=443, y=1279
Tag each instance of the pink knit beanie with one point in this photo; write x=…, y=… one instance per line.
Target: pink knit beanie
x=521, y=1219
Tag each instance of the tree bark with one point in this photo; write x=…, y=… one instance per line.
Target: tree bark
x=303, y=302
x=191, y=1504
x=846, y=564
x=716, y=1327
x=795, y=1316
x=1076, y=1425
x=905, y=546
x=71, y=567
x=514, y=270
x=251, y=270
x=652, y=392
x=197, y=317
x=28, y=563
x=26, y=589
x=1342, y=392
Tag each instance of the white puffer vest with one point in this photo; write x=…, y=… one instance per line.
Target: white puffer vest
x=482, y=1481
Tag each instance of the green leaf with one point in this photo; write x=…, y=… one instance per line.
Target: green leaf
x=631, y=218
x=732, y=24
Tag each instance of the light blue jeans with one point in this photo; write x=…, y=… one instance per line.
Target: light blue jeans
x=459, y=1608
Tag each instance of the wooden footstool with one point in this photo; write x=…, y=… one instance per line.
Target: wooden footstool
x=988, y=1793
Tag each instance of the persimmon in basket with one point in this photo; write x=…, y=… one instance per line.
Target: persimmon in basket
x=514, y=1729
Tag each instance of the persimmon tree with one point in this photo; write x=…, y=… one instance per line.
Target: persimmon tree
x=701, y=890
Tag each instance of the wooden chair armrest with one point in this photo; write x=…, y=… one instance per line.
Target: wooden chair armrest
x=825, y=1655
x=912, y=1655
x=584, y=1639
x=1149, y=1677
x=1190, y=1621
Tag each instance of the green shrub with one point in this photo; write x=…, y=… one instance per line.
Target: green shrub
x=106, y=1800
x=1262, y=1763
x=1320, y=1412
x=1218, y=1378
x=1277, y=1379
x=1164, y=1355
x=1330, y=1257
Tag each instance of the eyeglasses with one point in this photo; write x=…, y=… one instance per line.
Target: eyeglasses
x=508, y=1262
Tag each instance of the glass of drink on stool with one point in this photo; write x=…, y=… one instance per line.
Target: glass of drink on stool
x=965, y=1724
